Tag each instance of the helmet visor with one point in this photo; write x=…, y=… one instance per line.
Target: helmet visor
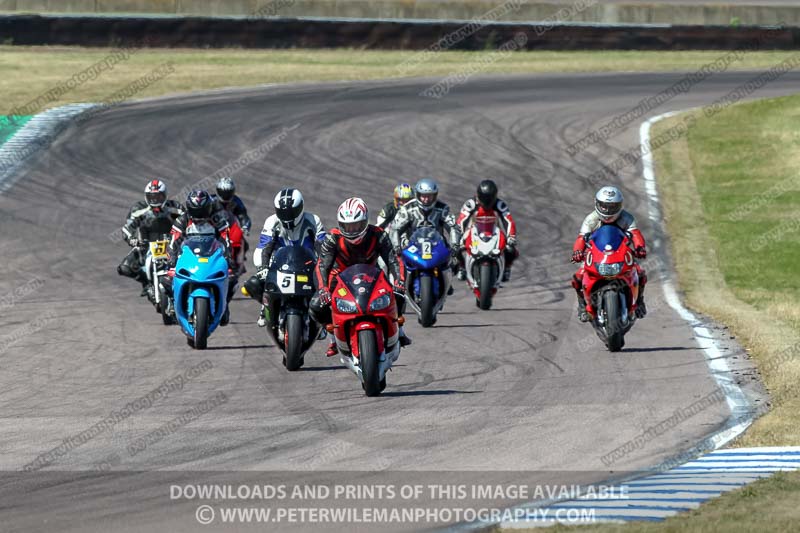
x=155, y=199
x=487, y=200
x=427, y=199
x=226, y=195
x=608, y=209
x=351, y=230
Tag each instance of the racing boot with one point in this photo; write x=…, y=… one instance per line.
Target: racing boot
x=262, y=319
x=332, y=349
x=226, y=317
x=403, y=338
x=583, y=314
x=461, y=274
x=641, y=309
x=506, y=275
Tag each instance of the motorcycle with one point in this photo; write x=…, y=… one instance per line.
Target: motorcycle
x=365, y=324
x=200, y=288
x=428, y=277
x=484, y=259
x=611, y=285
x=156, y=265
x=288, y=289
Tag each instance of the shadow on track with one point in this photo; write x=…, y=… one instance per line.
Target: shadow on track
x=657, y=349
x=245, y=347
x=445, y=392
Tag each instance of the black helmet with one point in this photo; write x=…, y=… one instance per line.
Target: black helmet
x=289, y=208
x=199, y=205
x=487, y=194
x=226, y=189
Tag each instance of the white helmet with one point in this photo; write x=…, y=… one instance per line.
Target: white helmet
x=289, y=208
x=608, y=204
x=155, y=193
x=353, y=219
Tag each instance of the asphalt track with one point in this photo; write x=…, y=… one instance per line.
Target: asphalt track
x=522, y=392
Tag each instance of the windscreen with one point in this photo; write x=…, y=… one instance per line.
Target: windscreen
x=608, y=237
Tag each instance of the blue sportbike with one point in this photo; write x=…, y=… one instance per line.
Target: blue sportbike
x=200, y=288
x=428, y=277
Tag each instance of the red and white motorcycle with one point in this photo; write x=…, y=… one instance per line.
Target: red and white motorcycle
x=484, y=259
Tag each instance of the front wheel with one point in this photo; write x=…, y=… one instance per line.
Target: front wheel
x=293, y=341
x=426, y=302
x=370, y=365
x=486, y=285
x=615, y=335
x=201, y=316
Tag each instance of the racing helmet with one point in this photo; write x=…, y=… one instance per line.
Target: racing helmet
x=426, y=192
x=199, y=205
x=289, y=208
x=608, y=204
x=487, y=194
x=226, y=188
x=353, y=219
x=155, y=193
x=402, y=194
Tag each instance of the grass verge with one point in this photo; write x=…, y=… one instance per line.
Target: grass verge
x=731, y=195
x=45, y=70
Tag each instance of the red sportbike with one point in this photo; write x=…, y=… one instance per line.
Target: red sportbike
x=365, y=324
x=238, y=244
x=611, y=285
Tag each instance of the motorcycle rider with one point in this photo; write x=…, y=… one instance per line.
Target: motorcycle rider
x=486, y=203
x=226, y=195
x=239, y=221
x=608, y=210
x=149, y=219
x=355, y=241
x=426, y=210
x=289, y=226
x=202, y=217
x=403, y=193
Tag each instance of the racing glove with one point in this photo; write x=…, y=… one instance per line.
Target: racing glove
x=577, y=256
x=324, y=296
x=133, y=242
x=640, y=252
x=400, y=286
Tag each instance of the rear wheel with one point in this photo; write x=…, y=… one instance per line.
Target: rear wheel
x=294, y=342
x=486, y=285
x=426, y=302
x=370, y=366
x=615, y=336
x=201, y=316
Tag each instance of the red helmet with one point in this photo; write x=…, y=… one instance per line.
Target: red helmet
x=155, y=193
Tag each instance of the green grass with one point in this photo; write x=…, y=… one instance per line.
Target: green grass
x=43, y=68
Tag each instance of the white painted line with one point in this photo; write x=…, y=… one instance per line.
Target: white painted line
x=741, y=410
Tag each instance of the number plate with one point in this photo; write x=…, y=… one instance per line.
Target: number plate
x=158, y=249
x=286, y=282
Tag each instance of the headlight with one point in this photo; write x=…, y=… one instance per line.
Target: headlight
x=345, y=306
x=380, y=303
x=609, y=269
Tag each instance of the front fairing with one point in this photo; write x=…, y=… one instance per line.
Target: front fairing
x=426, y=250
x=291, y=272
